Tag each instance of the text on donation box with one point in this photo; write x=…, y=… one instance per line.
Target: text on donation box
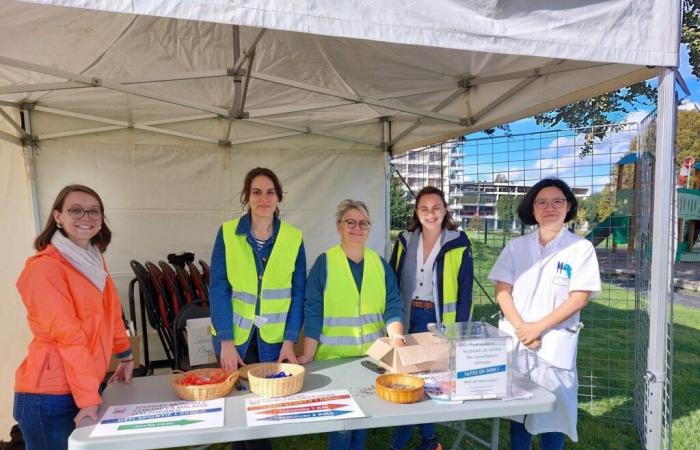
x=481, y=369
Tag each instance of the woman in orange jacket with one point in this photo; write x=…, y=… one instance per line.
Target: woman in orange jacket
x=75, y=317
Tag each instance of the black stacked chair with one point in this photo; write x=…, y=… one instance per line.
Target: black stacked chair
x=152, y=313
x=170, y=294
x=195, y=310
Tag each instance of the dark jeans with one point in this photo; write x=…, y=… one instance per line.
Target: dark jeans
x=252, y=356
x=347, y=440
x=520, y=438
x=420, y=318
x=46, y=420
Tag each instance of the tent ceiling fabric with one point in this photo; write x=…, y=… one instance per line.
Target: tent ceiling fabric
x=332, y=70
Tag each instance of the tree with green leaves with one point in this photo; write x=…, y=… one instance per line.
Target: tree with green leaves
x=598, y=112
x=401, y=208
x=505, y=208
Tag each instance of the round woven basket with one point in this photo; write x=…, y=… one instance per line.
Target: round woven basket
x=400, y=387
x=204, y=391
x=276, y=387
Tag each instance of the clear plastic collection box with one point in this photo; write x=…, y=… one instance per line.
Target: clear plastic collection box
x=479, y=362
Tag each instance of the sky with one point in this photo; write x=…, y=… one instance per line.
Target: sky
x=532, y=152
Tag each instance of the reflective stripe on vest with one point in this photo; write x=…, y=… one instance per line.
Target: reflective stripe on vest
x=450, y=286
x=352, y=320
x=276, y=291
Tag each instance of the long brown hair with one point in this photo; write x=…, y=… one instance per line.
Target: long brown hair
x=251, y=175
x=447, y=221
x=101, y=240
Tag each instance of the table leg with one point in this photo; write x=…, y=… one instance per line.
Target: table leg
x=495, y=425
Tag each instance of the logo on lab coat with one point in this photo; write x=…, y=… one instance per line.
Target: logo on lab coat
x=563, y=267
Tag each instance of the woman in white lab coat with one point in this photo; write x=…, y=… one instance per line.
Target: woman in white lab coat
x=543, y=280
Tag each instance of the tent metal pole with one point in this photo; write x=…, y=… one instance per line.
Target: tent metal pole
x=449, y=99
x=386, y=138
x=121, y=124
x=7, y=137
x=13, y=123
x=358, y=98
x=29, y=153
x=549, y=69
x=108, y=84
x=661, y=262
x=313, y=131
x=278, y=110
x=61, y=85
x=119, y=127
x=503, y=97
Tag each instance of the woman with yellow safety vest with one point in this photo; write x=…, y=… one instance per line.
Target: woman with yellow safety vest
x=258, y=273
x=351, y=298
x=433, y=264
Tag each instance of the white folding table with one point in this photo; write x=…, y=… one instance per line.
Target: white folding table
x=320, y=376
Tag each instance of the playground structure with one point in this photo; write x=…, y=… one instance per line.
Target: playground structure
x=688, y=210
x=622, y=222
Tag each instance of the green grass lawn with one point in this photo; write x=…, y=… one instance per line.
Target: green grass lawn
x=606, y=365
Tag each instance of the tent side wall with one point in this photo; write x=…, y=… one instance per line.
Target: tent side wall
x=17, y=228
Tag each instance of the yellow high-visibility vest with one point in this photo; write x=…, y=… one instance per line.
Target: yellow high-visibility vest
x=352, y=320
x=275, y=295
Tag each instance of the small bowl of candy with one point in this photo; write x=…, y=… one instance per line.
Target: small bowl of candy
x=276, y=379
x=400, y=387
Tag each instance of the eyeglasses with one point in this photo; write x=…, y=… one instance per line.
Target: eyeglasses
x=76, y=212
x=557, y=203
x=351, y=224
x=424, y=211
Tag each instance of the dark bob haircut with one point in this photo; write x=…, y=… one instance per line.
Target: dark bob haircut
x=527, y=204
x=101, y=240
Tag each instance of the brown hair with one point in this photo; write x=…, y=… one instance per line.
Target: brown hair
x=101, y=240
x=447, y=221
x=251, y=175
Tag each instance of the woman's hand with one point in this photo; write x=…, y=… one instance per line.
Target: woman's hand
x=529, y=332
x=87, y=411
x=287, y=353
x=123, y=372
x=230, y=359
x=398, y=341
x=305, y=359
x=536, y=345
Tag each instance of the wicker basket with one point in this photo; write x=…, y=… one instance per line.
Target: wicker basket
x=276, y=387
x=204, y=391
x=400, y=387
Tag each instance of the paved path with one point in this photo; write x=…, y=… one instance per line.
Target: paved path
x=687, y=298
x=619, y=264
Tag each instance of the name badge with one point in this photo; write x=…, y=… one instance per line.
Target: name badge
x=259, y=321
x=560, y=280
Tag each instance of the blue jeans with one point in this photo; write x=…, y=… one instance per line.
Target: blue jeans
x=46, y=420
x=420, y=318
x=347, y=440
x=520, y=438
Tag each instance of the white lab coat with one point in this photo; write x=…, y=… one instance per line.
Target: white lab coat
x=542, y=278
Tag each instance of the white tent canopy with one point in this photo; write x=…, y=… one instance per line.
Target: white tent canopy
x=163, y=106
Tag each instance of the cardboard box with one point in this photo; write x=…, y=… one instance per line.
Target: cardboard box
x=135, y=343
x=422, y=352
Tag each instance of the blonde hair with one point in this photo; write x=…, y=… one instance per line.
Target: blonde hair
x=348, y=204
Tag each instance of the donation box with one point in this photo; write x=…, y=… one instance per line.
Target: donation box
x=479, y=365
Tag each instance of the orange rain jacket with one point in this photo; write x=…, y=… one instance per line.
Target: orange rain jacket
x=76, y=329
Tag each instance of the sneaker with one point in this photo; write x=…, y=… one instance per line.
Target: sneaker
x=429, y=444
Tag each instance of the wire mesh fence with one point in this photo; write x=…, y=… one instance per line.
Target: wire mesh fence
x=612, y=178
